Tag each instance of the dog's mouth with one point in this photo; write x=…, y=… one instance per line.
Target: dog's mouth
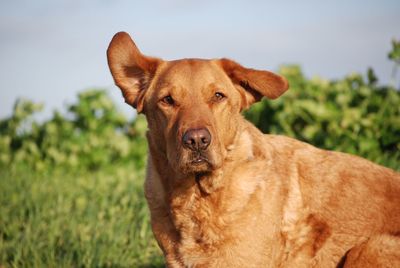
x=189, y=162
x=199, y=162
x=199, y=159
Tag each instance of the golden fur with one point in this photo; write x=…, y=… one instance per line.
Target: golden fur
x=250, y=200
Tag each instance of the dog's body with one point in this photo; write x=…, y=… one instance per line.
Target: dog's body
x=222, y=194
x=279, y=203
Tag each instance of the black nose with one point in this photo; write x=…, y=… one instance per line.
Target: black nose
x=196, y=139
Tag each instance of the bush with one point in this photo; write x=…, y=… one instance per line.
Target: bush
x=350, y=115
x=91, y=135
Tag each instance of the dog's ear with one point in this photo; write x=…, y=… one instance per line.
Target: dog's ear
x=254, y=84
x=131, y=70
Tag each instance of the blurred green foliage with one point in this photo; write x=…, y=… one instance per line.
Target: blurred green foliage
x=352, y=115
x=93, y=134
x=394, y=54
x=71, y=186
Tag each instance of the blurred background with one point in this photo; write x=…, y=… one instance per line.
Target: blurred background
x=72, y=154
x=50, y=50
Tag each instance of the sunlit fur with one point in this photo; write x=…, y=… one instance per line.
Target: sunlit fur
x=259, y=200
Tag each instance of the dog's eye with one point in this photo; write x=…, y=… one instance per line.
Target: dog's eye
x=218, y=96
x=168, y=100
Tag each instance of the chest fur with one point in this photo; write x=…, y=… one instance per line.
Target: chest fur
x=240, y=215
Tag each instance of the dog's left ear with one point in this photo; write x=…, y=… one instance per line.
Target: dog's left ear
x=254, y=84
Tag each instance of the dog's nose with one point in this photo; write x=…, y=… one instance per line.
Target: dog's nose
x=196, y=139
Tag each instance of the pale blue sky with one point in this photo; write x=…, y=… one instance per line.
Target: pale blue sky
x=50, y=50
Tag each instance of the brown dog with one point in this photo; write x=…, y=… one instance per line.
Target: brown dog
x=222, y=194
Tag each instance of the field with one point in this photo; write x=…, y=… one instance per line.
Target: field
x=91, y=219
x=71, y=187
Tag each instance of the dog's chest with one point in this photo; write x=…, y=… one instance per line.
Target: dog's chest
x=200, y=220
x=225, y=223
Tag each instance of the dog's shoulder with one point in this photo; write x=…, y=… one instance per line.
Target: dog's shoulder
x=305, y=155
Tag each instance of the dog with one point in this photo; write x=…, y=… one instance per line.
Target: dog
x=222, y=194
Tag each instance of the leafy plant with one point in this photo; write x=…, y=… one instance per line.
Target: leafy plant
x=93, y=134
x=349, y=115
x=394, y=55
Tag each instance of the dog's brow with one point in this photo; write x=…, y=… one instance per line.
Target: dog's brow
x=214, y=85
x=163, y=84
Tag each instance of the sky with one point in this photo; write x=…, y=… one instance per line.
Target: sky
x=51, y=50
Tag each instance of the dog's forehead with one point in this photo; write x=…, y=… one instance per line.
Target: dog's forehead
x=192, y=72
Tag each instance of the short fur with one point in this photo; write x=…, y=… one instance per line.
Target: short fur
x=253, y=200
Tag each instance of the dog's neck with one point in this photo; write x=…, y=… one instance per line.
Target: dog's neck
x=241, y=150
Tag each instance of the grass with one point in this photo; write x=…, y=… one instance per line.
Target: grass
x=89, y=219
x=58, y=219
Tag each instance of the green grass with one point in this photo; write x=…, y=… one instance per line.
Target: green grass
x=97, y=219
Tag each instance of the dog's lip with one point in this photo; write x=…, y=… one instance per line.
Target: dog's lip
x=198, y=160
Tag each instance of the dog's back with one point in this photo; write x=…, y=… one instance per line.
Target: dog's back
x=344, y=198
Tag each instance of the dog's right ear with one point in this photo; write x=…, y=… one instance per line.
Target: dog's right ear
x=131, y=70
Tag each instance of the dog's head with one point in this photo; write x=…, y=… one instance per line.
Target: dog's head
x=192, y=106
